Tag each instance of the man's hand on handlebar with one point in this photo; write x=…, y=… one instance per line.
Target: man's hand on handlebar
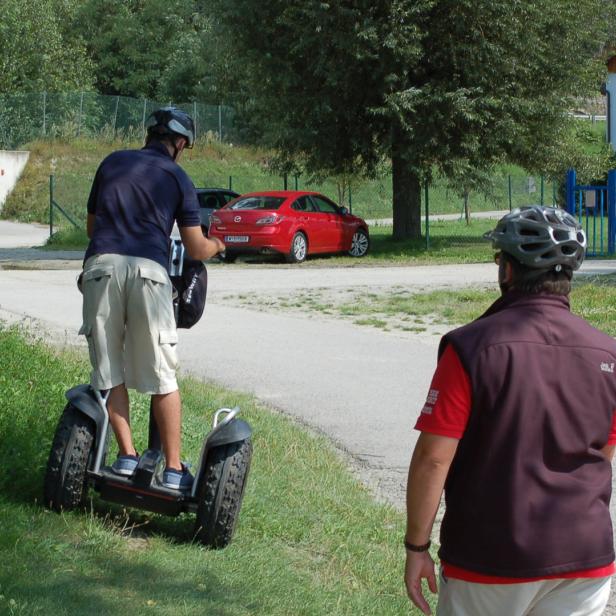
x=219, y=244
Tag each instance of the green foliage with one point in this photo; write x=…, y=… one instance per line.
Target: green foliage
x=144, y=49
x=37, y=54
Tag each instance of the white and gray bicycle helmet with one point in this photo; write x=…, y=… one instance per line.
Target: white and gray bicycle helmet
x=170, y=120
x=540, y=238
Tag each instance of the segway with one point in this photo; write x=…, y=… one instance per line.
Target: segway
x=78, y=461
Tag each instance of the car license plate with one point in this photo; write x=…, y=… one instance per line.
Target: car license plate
x=236, y=239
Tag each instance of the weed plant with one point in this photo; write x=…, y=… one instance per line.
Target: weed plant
x=310, y=540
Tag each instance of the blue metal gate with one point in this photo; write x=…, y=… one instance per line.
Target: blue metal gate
x=595, y=208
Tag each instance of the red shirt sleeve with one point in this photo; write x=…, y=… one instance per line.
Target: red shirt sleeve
x=612, y=437
x=448, y=404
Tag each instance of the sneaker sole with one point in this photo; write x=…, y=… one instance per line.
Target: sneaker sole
x=123, y=472
x=176, y=487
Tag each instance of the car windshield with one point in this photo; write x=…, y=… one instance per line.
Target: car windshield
x=257, y=203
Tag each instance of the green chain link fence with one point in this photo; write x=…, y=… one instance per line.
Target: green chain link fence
x=448, y=214
x=28, y=116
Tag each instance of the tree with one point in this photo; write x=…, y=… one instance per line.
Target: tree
x=431, y=85
x=140, y=47
x=36, y=56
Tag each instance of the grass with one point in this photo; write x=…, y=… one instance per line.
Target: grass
x=310, y=540
x=73, y=164
x=593, y=298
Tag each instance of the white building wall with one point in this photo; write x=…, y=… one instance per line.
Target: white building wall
x=610, y=86
x=12, y=163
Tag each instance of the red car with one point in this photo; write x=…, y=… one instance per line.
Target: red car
x=292, y=223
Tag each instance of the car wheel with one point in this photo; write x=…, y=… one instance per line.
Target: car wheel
x=360, y=243
x=220, y=493
x=299, y=248
x=66, y=479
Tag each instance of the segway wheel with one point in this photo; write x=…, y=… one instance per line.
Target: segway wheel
x=220, y=493
x=66, y=480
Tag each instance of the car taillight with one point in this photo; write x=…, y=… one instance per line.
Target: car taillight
x=215, y=220
x=269, y=220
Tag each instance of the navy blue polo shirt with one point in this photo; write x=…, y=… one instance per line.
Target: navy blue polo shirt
x=136, y=196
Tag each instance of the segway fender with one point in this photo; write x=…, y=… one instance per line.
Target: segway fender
x=233, y=432
x=83, y=399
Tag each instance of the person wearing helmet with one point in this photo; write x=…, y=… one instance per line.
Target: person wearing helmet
x=128, y=320
x=518, y=430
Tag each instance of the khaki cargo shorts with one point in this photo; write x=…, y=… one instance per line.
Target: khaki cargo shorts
x=129, y=324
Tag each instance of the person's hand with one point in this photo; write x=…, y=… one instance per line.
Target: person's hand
x=219, y=244
x=419, y=565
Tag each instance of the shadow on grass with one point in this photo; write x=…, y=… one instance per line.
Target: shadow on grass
x=76, y=580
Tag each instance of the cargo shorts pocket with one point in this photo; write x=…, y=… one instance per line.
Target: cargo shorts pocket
x=167, y=342
x=86, y=330
x=149, y=273
x=98, y=273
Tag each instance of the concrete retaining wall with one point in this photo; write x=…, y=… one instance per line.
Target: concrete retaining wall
x=12, y=163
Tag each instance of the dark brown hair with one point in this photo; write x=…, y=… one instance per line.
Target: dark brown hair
x=529, y=280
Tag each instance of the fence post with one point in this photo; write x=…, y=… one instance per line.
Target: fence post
x=510, y=203
x=285, y=181
x=219, y=122
x=542, y=187
x=115, y=116
x=553, y=194
x=611, y=211
x=44, y=113
x=350, y=200
x=80, y=112
x=427, y=200
x=195, y=117
x=51, y=186
x=145, y=102
x=570, y=190
x=296, y=182
x=230, y=182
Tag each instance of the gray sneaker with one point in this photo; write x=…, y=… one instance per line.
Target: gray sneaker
x=178, y=480
x=125, y=465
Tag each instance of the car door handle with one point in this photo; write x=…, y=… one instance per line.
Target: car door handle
x=304, y=218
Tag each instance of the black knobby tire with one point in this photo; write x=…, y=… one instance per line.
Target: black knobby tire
x=299, y=248
x=220, y=493
x=66, y=480
x=228, y=258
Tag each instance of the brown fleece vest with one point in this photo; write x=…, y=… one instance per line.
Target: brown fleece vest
x=528, y=490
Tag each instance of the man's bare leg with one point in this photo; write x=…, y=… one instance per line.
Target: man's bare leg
x=119, y=417
x=168, y=414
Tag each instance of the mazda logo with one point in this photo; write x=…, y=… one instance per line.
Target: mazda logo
x=237, y=219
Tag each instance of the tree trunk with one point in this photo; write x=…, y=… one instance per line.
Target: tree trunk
x=406, y=191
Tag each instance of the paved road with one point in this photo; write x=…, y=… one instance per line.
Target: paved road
x=361, y=387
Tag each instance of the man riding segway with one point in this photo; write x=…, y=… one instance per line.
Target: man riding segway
x=127, y=312
x=130, y=325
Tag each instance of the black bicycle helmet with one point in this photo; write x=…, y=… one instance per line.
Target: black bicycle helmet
x=170, y=120
x=540, y=237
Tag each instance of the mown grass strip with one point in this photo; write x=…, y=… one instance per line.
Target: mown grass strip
x=592, y=297
x=310, y=540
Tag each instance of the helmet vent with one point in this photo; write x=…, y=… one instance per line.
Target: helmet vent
x=561, y=235
x=529, y=232
x=534, y=247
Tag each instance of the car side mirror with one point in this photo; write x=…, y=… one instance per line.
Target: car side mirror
x=344, y=211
